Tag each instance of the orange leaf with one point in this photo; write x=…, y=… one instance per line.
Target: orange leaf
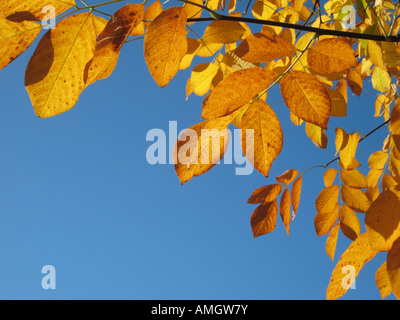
x=350, y=263
x=15, y=38
x=329, y=177
x=265, y=194
x=373, y=177
x=323, y=222
x=296, y=193
x=235, y=91
x=284, y=209
x=262, y=137
x=206, y=146
x=193, y=11
x=306, y=97
x=355, y=82
x=393, y=267
x=263, y=47
x=287, y=177
x=327, y=199
x=151, y=12
x=163, y=54
x=317, y=135
x=349, y=223
x=220, y=31
x=332, y=55
x=111, y=40
x=341, y=139
x=263, y=219
x=355, y=199
x=348, y=152
x=382, y=281
x=331, y=241
x=377, y=160
x=383, y=219
x=353, y=178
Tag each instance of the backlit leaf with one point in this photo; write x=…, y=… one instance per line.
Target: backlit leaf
x=338, y=103
x=265, y=194
x=380, y=80
x=235, y=91
x=332, y=55
x=263, y=219
x=317, y=135
x=165, y=44
x=324, y=221
x=383, y=219
x=353, y=178
x=151, y=12
x=377, y=160
x=263, y=47
x=327, y=199
x=295, y=195
x=331, y=241
x=220, y=31
x=393, y=267
x=352, y=260
x=288, y=176
x=349, y=223
x=262, y=137
x=111, y=40
x=355, y=199
x=382, y=281
x=306, y=97
x=284, y=209
x=329, y=176
x=202, y=76
x=348, y=152
x=54, y=77
x=355, y=82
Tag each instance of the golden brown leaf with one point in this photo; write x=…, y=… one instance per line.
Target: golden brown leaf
x=235, y=91
x=353, y=178
x=331, y=241
x=329, y=177
x=262, y=137
x=349, y=223
x=284, y=209
x=317, y=135
x=287, y=177
x=165, y=44
x=382, y=281
x=265, y=194
x=54, y=77
x=348, y=152
x=111, y=40
x=306, y=97
x=263, y=47
x=355, y=199
x=15, y=38
x=296, y=193
x=332, y=55
x=393, y=267
x=353, y=259
x=383, y=219
x=338, y=102
x=327, y=199
x=324, y=221
x=355, y=82
x=263, y=219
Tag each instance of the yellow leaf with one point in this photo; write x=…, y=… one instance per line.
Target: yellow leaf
x=329, y=177
x=263, y=47
x=393, y=267
x=201, y=147
x=163, y=55
x=341, y=87
x=287, y=177
x=306, y=97
x=355, y=81
x=372, y=193
x=151, y=12
x=262, y=137
x=373, y=177
x=350, y=263
x=388, y=181
x=380, y=80
x=207, y=50
x=382, y=281
x=111, y=40
x=263, y=219
x=348, y=152
x=377, y=160
x=32, y=10
x=99, y=24
x=193, y=11
x=391, y=54
x=374, y=54
x=383, y=219
x=331, y=241
x=353, y=178
x=327, y=199
x=317, y=135
x=220, y=31
x=265, y=194
x=15, y=38
x=349, y=223
x=332, y=55
x=341, y=139
x=355, y=199
x=235, y=91
x=263, y=10
x=394, y=124
x=284, y=209
x=323, y=222
x=338, y=103
x=202, y=76
x=192, y=47
x=54, y=77
x=296, y=193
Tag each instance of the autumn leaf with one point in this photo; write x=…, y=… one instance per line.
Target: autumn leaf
x=235, y=91
x=165, y=44
x=262, y=137
x=54, y=77
x=265, y=194
x=287, y=177
x=202, y=77
x=111, y=40
x=327, y=199
x=348, y=151
x=382, y=281
x=306, y=97
x=349, y=223
x=382, y=219
x=353, y=178
x=332, y=55
x=324, y=221
x=193, y=11
x=263, y=219
x=263, y=47
x=317, y=135
x=380, y=80
x=355, y=199
x=200, y=148
x=32, y=10
x=284, y=209
x=151, y=12
x=355, y=81
x=338, y=103
x=352, y=260
x=295, y=195
x=329, y=176
x=220, y=31
x=15, y=38
x=393, y=267
x=331, y=241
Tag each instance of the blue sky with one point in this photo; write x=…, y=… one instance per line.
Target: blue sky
x=76, y=192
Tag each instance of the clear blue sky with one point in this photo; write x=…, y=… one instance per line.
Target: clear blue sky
x=76, y=192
